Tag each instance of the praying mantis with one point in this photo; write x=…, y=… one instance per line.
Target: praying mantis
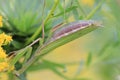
x=58, y=37
x=69, y=32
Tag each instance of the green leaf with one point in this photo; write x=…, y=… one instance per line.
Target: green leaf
x=54, y=67
x=104, y=48
x=19, y=54
x=59, y=73
x=90, y=15
x=16, y=44
x=89, y=59
x=28, y=54
x=20, y=17
x=45, y=64
x=23, y=76
x=81, y=79
x=66, y=11
x=54, y=64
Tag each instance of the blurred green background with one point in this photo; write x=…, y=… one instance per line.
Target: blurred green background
x=95, y=56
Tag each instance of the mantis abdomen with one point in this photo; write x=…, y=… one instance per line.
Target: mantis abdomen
x=72, y=28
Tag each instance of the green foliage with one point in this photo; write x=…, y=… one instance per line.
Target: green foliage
x=21, y=18
x=20, y=53
x=27, y=20
x=89, y=59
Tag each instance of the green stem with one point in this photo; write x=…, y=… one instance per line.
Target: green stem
x=11, y=76
x=34, y=36
x=81, y=9
x=94, y=10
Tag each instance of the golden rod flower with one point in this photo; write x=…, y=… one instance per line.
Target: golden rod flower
x=4, y=61
x=1, y=24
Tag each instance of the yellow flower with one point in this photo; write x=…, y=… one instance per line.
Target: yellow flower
x=4, y=76
x=4, y=39
x=1, y=24
x=8, y=39
x=2, y=53
x=4, y=61
x=88, y=2
x=4, y=66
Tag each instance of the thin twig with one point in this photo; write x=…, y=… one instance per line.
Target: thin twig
x=47, y=18
x=13, y=53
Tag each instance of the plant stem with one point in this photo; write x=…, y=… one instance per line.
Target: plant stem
x=94, y=10
x=81, y=9
x=34, y=36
